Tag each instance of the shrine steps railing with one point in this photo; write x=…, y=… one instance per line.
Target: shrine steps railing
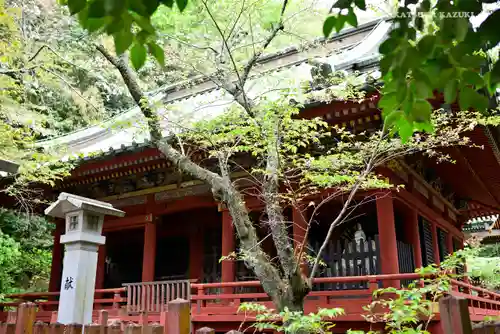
x=220, y=301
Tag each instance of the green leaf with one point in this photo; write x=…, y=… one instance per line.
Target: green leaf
x=392, y=118
x=462, y=26
x=388, y=102
x=404, y=128
x=95, y=24
x=386, y=63
x=361, y=4
x=450, y=91
x=467, y=98
x=168, y=3
x=388, y=46
x=144, y=23
x=421, y=112
x=495, y=73
x=328, y=25
x=339, y=24
x=138, y=55
x=114, y=7
x=157, y=52
x=151, y=6
x=342, y=4
x=473, y=78
x=123, y=40
x=96, y=9
x=76, y=6
x=351, y=18
x=181, y=4
x=115, y=26
x=426, y=45
x=474, y=61
x=424, y=126
x=488, y=30
x=423, y=91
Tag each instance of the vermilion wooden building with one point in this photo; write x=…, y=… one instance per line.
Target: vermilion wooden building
x=174, y=233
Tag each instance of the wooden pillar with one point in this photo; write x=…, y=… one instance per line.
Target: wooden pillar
x=149, y=253
x=299, y=233
x=101, y=267
x=196, y=245
x=435, y=243
x=413, y=236
x=57, y=249
x=228, y=246
x=388, y=248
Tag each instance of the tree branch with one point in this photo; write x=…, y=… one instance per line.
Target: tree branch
x=120, y=63
x=255, y=257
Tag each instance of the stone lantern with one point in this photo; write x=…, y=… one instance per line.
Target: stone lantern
x=84, y=219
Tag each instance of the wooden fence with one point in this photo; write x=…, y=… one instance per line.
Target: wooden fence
x=155, y=296
x=176, y=321
x=455, y=318
x=349, y=259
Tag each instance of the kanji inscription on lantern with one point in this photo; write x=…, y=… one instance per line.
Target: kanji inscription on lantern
x=68, y=284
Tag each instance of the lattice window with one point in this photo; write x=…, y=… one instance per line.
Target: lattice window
x=93, y=223
x=73, y=223
x=426, y=244
x=443, y=249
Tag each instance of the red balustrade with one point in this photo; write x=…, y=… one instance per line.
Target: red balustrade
x=220, y=301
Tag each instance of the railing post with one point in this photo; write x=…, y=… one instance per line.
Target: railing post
x=178, y=318
x=73, y=329
x=156, y=329
x=132, y=328
x=372, y=284
x=103, y=320
x=12, y=317
x=7, y=328
x=455, y=318
x=116, y=300
x=53, y=317
x=199, y=302
x=40, y=328
x=56, y=328
x=205, y=330
x=26, y=315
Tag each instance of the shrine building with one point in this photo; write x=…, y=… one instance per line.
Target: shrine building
x=174, y=233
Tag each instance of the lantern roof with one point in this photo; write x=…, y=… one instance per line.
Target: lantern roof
x=69, y=203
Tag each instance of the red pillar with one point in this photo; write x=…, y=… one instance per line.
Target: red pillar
x=387, y=237
x=196, y=246
x=413, y=236
x=435, y=244
x=57, y=249
x=101, y=267
x=149, y=253
x=228, y=246
x=299, y=233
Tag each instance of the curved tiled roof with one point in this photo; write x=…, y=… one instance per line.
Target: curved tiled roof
x=204, y=100
x=480, y=224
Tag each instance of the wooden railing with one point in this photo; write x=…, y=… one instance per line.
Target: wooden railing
x=154, y=296
x=337, y=292
x=104, y=298
x=481, y=301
